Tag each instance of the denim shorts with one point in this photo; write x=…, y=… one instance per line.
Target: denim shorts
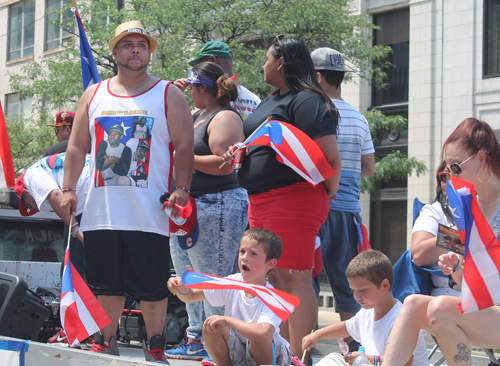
x=339, y=245
x=222, y=219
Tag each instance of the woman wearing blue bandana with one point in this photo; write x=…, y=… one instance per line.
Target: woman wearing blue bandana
x=222, y=205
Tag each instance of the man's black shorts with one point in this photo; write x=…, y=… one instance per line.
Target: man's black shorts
x=134, y=264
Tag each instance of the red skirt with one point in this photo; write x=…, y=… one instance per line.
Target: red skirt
x=295, y=213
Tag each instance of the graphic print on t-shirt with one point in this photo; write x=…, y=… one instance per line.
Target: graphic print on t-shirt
x=123, y=147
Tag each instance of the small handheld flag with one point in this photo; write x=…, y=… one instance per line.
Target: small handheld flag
x=293, y=148
x=481, y=277
x=280, y=303
x=81, y=313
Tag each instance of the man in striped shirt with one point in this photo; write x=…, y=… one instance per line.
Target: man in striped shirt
x=339, y=236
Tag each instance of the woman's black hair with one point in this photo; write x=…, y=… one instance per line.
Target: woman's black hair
x=298, y=70
x=225, y=89
x=441, y=197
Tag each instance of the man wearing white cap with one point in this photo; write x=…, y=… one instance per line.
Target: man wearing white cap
x=125, y=231
x=339, y=236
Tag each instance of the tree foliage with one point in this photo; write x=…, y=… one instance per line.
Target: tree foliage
x=182, y=27
x=395, y=164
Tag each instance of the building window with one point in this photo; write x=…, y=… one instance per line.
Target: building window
x=16, y=107
x=395, y=33
x=55, y=36
x=21, y=30
x=491, y=39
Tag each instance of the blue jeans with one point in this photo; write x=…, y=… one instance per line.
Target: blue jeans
x=339, y=245
x=222, y=219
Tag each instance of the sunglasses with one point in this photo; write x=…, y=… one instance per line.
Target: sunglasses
x=444, y=177
x=457, y=167
x=56, y=131
x=279, y=38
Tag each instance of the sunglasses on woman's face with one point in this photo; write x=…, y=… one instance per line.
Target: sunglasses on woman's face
x=457, y=167
x=444, y=177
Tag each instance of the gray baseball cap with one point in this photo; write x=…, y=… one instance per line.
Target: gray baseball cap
x=328, y=59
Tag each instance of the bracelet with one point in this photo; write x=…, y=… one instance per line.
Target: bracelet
x=75, y=232
x=187, y=293
x=456, y=267
x=74, y=224
x=69, y=190
x=184, y=189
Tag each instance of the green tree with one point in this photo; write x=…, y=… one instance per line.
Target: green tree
x=395, y=164
x=181, y=27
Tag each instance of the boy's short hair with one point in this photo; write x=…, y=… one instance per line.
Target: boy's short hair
x=272, y=244
x=372, y=265
x=333, y=78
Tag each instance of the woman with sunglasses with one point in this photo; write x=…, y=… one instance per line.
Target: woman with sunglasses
x=221, y=203
x=424, y=250
x=473, y=154
x=280, y=199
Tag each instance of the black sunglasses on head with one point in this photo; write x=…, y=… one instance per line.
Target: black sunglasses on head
x=279, y=38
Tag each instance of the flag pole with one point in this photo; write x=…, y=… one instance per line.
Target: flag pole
x=248, y=139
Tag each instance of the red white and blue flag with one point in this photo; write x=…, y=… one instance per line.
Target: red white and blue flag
x=294, y=149
x=81, y=313
x=280, y=303
x=90, y=75
x=481, y=277
x=7, y=177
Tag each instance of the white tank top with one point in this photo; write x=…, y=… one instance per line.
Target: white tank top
x=115, y=201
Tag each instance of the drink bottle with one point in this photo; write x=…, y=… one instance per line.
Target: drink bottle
x=361, y=360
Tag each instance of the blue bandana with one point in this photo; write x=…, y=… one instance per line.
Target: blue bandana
x=195, y=79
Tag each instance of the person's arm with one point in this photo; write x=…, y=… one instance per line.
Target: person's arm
x=329, y=147
x=55, y=198
x=78, y=145
x=367, y=165
x=451, y=264
x=337, y=330
x=257, y=332
x=224, y=130
x=424, y=250
x=180, y=127
x=123, y=165
x=185, y=294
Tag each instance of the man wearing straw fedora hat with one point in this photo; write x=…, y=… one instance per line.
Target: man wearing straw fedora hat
x=125, y=231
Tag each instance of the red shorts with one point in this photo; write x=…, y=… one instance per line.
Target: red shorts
x=295, y=213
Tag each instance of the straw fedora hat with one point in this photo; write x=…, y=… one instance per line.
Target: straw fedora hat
x=131, y=27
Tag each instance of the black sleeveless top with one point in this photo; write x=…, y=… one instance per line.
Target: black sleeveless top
x=203, y=183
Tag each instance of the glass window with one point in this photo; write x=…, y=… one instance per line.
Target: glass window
x=395, y=33
x=16, y=107
x=31, y=240
x=491, y=55
x=21, y=30
x=55, y=36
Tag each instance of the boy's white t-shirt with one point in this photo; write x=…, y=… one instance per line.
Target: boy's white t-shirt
x=238, y=306
x=373, y=334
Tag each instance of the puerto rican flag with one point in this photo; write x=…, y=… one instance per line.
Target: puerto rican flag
x=294, y=149
x=81, y=313
x=481, y=278
x=280, y=303
x=7, y=177
x=90, y=75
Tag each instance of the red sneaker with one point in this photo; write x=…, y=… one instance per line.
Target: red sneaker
x=59, y=339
